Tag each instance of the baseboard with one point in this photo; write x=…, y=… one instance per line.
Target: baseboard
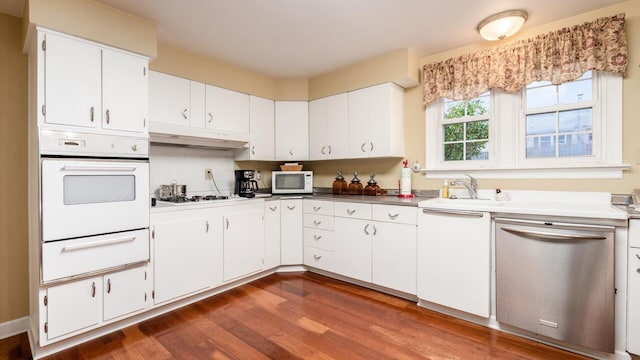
x=14, y=327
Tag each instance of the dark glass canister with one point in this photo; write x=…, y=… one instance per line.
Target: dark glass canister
x=340, y=185
x=355, y=187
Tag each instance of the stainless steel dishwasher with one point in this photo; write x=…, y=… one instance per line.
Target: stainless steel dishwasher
x=557, y=280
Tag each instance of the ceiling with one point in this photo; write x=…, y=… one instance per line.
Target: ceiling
x=305, y=38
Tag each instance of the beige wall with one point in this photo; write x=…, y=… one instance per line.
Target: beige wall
x=13, y=172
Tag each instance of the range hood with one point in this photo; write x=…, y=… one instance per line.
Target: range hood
x=196, y=137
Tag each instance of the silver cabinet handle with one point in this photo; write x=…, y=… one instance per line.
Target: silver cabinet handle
x=329, y=149
x=97, y=243
x=375, y=230
x=322, y=150
x=393, y=216
x=207, y=222
x=453, y=212
x=362, y=147
x=316, y=222
x=317, y=208
x=317, y=237
x=638, y=256
x=253, y=150
x=184, y=114
x=93, y=289
x=317, y=257
x=226, y=222
x=371, y=146
x=108, y=117
x=291, y=151
x=93, y=110
x=351, y=212
x=210, y=117
x=108, y=286
x=273, y=208
x=291, y=207
x=97, y=168
x=366, y=229
x=554, y=236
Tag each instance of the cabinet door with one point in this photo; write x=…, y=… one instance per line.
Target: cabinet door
x=386, y=120
x=72, y=82
x=318, y=127
x=262, y=131
x=124, y=91
x=73, y=306
x=633, y=322
x=337, y=128
x=454, y=261
x=358, y=124
x=243, y=241
x=393, y=253
x=227, y=110
x=353, y=248
x=292, y=130
x=169, y=99
x=271, y=234
x=197, y=105
x=182, y=257
x=124, y=292
x=291, y=232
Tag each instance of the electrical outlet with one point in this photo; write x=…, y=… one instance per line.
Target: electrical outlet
x=208, y=175
x=258, y=175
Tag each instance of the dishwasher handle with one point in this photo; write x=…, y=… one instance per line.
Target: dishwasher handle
x=463, y=213
x=547, y=235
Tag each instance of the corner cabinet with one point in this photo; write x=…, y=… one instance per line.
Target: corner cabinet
x=291, y=231
x=376, y=122
x=272, y=232
x=292, y=130
x=261, y=131
x=243, y=234
x=83, y=84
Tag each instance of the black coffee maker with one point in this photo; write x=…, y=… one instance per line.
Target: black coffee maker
x=245, y=186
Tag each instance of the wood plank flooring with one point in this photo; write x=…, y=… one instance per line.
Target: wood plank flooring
x=300, y=316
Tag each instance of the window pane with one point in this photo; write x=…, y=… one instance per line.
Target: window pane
x=575, y=120
x=480, y=105
x=575, y=91
x=541, y=123
x=477, y=150
x=541, y=96
x=454, y=132
x=541, y=146
x=478, y=130
x=576, y=145
x=453, y=151
x=454, y=109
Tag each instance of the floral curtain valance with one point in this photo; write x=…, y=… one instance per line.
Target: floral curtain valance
x=558, y=56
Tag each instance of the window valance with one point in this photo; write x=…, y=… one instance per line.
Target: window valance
x=559, y=56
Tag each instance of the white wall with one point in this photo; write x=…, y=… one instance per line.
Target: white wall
x=186, y=166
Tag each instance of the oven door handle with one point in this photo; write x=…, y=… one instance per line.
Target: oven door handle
x=97, y=243
x=97, y=168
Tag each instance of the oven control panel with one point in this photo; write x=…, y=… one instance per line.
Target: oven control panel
x=99, y=145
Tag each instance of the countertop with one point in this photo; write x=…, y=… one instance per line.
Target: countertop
x=383, y=200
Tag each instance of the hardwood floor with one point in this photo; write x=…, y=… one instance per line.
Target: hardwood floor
x=301, y=316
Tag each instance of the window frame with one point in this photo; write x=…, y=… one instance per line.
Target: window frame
x=507, y=139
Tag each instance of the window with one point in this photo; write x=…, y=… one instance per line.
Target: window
x=544, y=131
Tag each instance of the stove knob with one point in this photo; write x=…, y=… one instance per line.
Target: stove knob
x=134, y=147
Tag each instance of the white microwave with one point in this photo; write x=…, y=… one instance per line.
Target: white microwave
x=292, y=182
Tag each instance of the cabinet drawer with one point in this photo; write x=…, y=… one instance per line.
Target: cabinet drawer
x=323, y=222
x=318, y=207
x=62, y=259
x=396, y=214
x=318, y=258
x=321, y=239
x=353, y=210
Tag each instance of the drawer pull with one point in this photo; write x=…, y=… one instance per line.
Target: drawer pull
x=97, y=243
x=317, y=237
x=273, y=208
x=317, y=208
x=351, y=212
x=393, y=216
x=316, y=222
x=638, y=256
x=93, y=289
x=291, y=207
x=207, y=222
x=317, y=257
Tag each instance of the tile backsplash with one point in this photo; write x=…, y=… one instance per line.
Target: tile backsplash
x=187, y=165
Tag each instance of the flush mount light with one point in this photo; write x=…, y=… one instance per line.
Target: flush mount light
x=502, y=25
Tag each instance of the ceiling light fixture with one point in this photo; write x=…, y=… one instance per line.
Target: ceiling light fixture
x=502, y=25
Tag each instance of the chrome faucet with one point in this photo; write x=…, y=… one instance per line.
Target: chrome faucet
x=472, y=187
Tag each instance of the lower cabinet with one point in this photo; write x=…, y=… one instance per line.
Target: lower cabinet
x=272, y=220
x=291, y=231
x=243, y=229
x=73, y=307
x=633, y=289
x=393, y=256
x=353, y=248
x=319, y=240
x=454, y=260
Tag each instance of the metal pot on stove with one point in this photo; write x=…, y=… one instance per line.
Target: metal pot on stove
x=172, y=190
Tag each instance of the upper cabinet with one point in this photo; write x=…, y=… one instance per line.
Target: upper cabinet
x=376, y=121
x=170, y=99
x=261, y=130
x=83, y=84
x=292, y=130
x=328, y=119
x=226, y=110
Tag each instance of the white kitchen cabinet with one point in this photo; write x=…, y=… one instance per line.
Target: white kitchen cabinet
x=183, y=252
x=319, y=240
x=291, y=232
x=125, y=292
x=169, y=99
x=328, y=119
x=454, y=260
x=261, y=130
x=79, y=81
x=353, y=248
x=633, y=289
x=292, y=130
x=226, y=110
x=393, y=247
x=243, y=229
x=271, y=234
x=376, y=121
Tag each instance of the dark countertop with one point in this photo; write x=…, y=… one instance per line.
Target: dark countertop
x=383, y=200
